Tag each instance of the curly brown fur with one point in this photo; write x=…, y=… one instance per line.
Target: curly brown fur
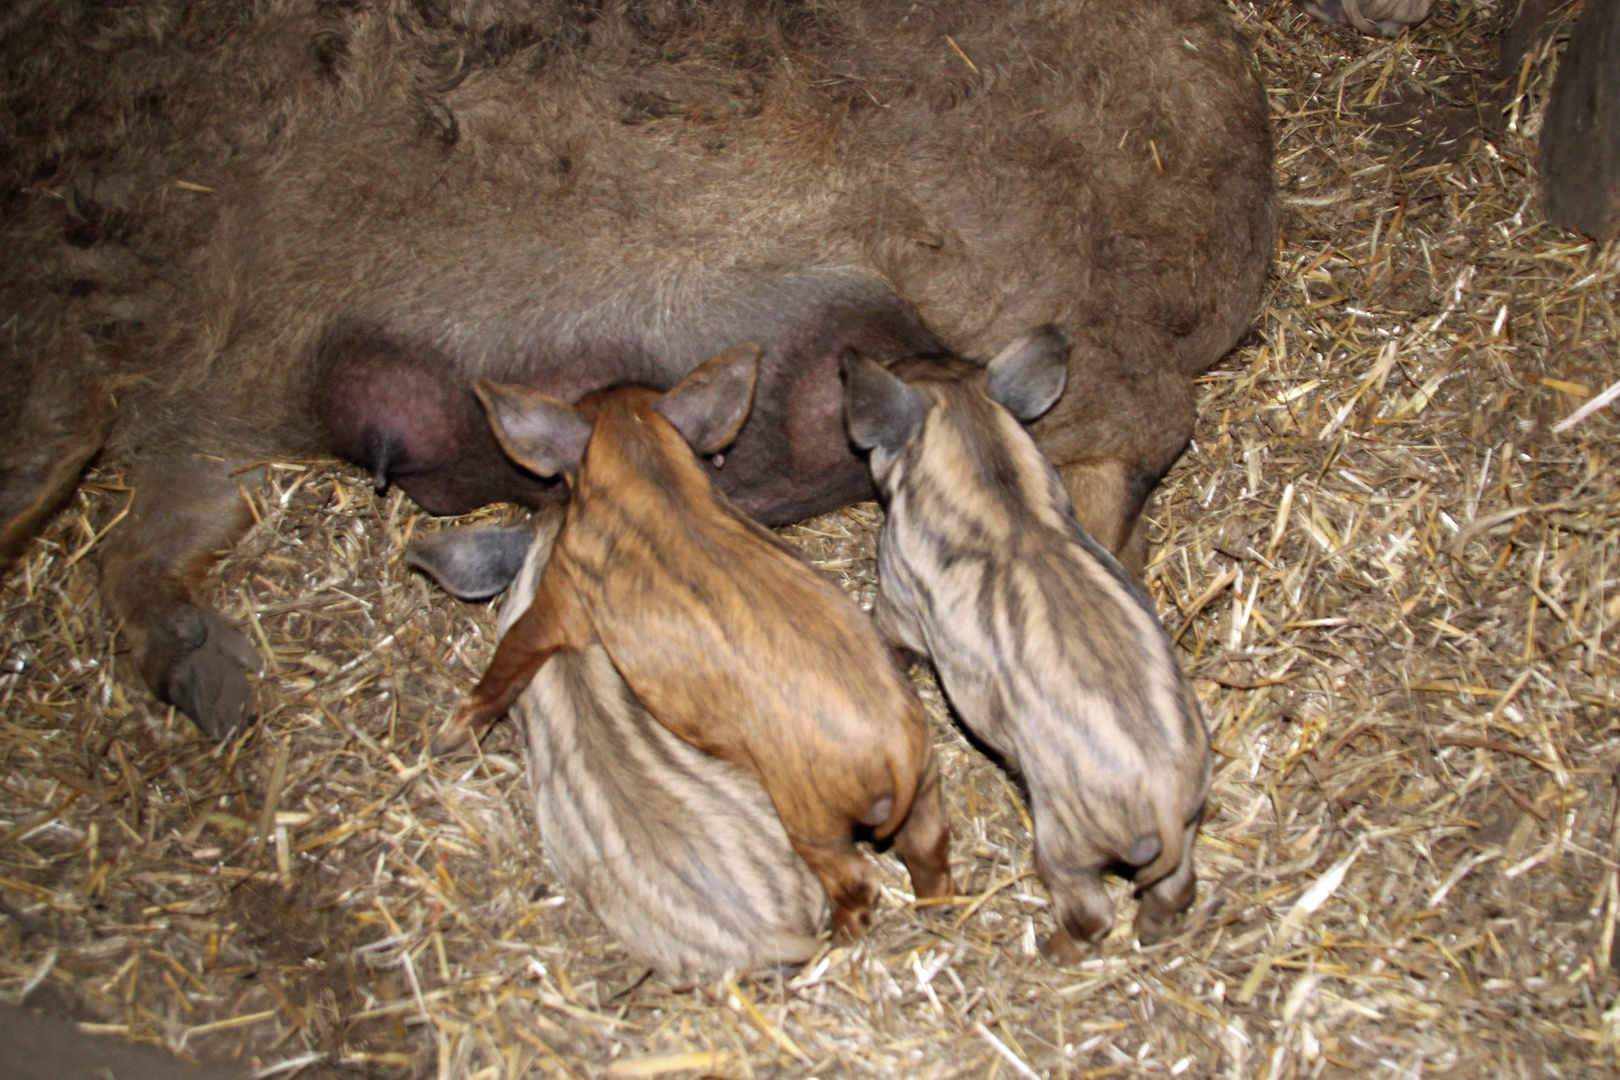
x=277, y=219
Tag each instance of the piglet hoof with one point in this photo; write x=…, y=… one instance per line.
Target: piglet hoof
x=1152, y=928
x=849, y=925
x=1161, y=910
x=1064, y=950
x=462, y=731
x=927, y=886
x=206, y=676
x=1328, y=11
x=1382, y=18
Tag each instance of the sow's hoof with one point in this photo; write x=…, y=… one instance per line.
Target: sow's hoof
x=205, y=676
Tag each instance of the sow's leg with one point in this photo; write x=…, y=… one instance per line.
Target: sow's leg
x=1165, y=900
x=1108, y=501
x=187, y=512
x=1113, y=445
x=54, y=418
x=923, y=842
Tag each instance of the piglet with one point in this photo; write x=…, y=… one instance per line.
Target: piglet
x=1049, y=652
x=678, y=853
x=730, y=639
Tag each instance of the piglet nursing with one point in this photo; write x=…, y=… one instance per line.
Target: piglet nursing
x=732, y=641
x=1049, y=651
x=678, y=853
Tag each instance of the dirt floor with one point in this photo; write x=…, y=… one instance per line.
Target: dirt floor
x=1391, y=573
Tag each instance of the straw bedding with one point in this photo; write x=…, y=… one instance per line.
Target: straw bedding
x=1392, y=577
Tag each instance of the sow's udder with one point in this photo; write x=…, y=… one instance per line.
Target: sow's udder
x=405, y=417
x=407, y=414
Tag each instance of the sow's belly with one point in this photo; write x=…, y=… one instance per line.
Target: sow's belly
x=402, y=407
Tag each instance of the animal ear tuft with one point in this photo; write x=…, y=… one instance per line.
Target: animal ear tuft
x=709, y=405
x=880, y=409
x=1028, y=376
x=537, y=431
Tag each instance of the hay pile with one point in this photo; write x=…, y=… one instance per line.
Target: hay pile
x=1394, y=581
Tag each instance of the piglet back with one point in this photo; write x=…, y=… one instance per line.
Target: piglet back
x=680, y=854
x=1051, y=653
x=1106, y=729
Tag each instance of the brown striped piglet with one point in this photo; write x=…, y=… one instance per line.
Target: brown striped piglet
x=678, y=853
x=729, y=638
x=1051, y=653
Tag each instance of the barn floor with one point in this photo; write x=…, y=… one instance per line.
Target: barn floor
x=1395, y=582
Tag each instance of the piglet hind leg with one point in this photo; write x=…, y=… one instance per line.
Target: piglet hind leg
x=848, y=878
x=186, y=512
x=48, y=434
x=924, y=841
x=1165, y=899
x=1084, y=912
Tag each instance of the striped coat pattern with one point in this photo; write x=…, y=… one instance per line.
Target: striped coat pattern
x=730, y=639
x=1050, y=653
x=678, y=853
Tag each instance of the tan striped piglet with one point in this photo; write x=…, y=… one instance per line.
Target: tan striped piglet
x=1050, y=653
x=729, y=637
x=680, y=854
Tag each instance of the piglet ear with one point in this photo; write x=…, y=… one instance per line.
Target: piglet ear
x=881, y=411
x=1027, y=377
x=538, y=432
x=472, y=563
x=708, y=407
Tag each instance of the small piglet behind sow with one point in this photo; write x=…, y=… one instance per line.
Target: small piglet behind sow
x=1048, y=650
x=730, y=639
x=678, y=853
